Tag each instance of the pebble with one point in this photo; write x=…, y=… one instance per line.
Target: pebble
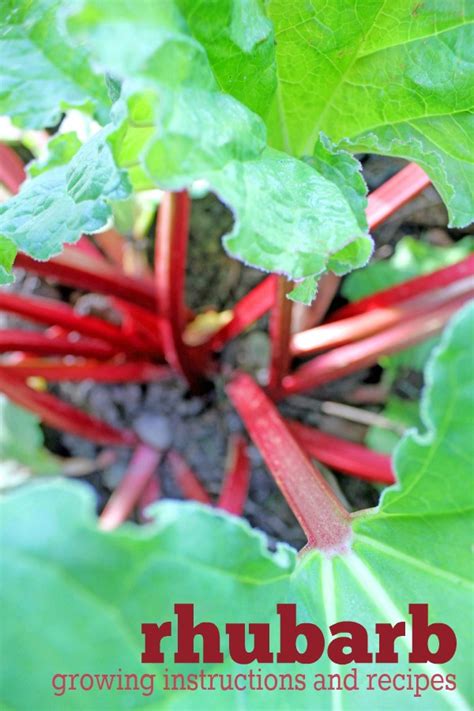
x=153, y=430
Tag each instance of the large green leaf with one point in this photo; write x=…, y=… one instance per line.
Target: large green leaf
x=176, y=126
x=59, y=150
x=289, y=218
x=58, y=205
x=41, y=73
x=239, y=41
x=74, y=598
x=198, y=80
x=237, y=37
x=395, y=79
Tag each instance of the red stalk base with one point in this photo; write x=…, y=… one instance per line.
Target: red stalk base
x=51, y=312
x=82, y=271
x=325, y=522
x=170, y=268
x=186, y=479
x=40, y=344
x=58, y=371
x=127, y=495
x=348, y=457
x=249, y=309
x=151, y=493
x=236, y=482
x=280, y=330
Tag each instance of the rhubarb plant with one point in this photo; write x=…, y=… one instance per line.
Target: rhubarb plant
x=267, y=111
x=367, y=566
x=267, y=105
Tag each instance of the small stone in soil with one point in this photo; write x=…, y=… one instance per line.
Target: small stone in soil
x=153, y=430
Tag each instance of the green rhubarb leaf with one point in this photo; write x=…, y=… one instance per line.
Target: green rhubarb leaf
x=27, y=450
x=41, y=72
x=74, y=598
x=57, y=206
x=174, y=126
x=233, y=38
x=178, y=137
x=304, y=291
x=411, y=258
x=290, y=219
x=395, y=80
x=191, y=88
x=59, y=151
x=104, y=604
x=341, y=168
x=196, y=83
x=441, y=145
x=239, y=42
x=7, y=257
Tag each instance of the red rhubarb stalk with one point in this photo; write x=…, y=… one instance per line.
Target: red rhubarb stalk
x=409, y=289
x=113, y=245
x=170, y=269
x=186, y=479
x=142, y=324
x=394, y=193
x=12, y=172
x=56, y=413
x=366, y=352
x=85, y=245
x=280, y=329
x=126, y=496
x=319, y=512
x=356, y=327
x=83, y=271
x=40, y=344
x=58, y=371
x=51, y=312
x=236, y=482
x=130, y=326
x=348, y=457
x=151, y=493
x=249, y=309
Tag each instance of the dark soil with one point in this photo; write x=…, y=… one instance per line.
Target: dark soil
x=199, y=427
